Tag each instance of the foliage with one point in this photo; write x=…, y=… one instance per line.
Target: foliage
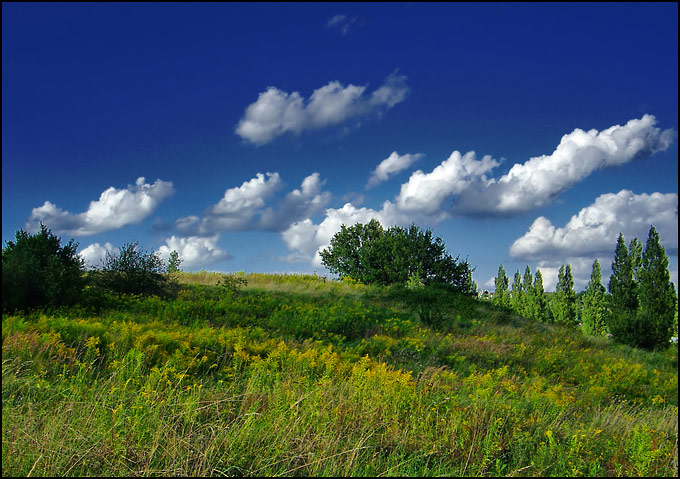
x=132, y=271
x=325, y=379
x=501, y=296
x=37, y=271
x=657, y=298
x=173, y=262
x=373, y=255
x=563, y=304
x=594, y=309
x=622, y=294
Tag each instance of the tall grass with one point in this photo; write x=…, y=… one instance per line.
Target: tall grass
x=301, y=376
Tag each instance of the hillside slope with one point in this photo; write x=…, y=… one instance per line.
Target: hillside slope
x=299, y=375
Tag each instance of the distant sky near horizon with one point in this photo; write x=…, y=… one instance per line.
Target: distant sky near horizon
x=243, y=135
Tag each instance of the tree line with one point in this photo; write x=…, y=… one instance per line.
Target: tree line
x=638, y=308
x=38, y=272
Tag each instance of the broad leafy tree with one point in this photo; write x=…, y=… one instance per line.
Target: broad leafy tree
x=373, y=255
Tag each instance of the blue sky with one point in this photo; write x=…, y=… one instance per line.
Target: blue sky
x=244, y=135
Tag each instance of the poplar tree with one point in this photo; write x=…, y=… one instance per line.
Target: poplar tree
x=517, y=294
x=594, y=304
x=622, y=296
x=540, y=306
x=528, y=308
x=563, y=304
x=657, y=298
x=501, y=296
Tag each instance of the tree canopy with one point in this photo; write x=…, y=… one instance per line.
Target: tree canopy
x=373, y=255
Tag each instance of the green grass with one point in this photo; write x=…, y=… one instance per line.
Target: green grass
x=299, y=375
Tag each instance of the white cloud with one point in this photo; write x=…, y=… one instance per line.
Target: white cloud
x=246, y=208
x=343, y=23
x=594, y=229
x=114, y=209
x=307, y=239
x=194, y=251
x=390, y=166
x=427, y=193
x=277, y=112
x=538, y=181
x=95, y=254
x=299, y=203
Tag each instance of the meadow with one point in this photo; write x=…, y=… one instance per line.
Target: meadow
x=298, y=375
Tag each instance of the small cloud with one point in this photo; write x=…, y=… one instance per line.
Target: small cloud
x=344, y=24
x=95, y=254
x=277, y=112
x=114, y=209
x=195, y=252
x=390, y=166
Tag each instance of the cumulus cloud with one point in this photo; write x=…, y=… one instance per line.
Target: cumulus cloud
x=114, y=209
x=246, y=207
x=95, y=254
x=307, y=239
x=428, y=193
x=538, y=181
x=277, y=112
x=194, y=251
x=390, y=166
x=594, y=229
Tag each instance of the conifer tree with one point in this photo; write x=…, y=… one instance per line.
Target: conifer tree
x=540, y=303
x=657, y=298
x=621, y=320
x=635, y=254
x=501, y=296
x=517, y=293
x=594, y=305
x=563, y=304
x=528, y=308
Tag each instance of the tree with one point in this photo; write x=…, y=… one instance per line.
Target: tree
x=132, y=271
x=657, y=298
x=501, y=296
x=594, y=304
x=173, y=262
x=517, y=294
x=623, y=300
x=37, y=271
x=563, y=304
x=373, y=255
x=540, y=303
x=528, y=306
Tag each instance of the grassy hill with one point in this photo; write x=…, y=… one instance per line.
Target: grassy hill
x=298, y=375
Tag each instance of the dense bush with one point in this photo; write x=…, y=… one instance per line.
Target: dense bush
x=132, y=271
x=37, y=271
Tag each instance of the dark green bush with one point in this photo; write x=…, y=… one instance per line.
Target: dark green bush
x=38, y=272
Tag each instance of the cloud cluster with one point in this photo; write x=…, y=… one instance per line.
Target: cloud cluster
x=245, y=207
x=594, y=229
x=390, y=166
x=538, y=181
x=277, y=112
x=114, y=209
x=194, y=251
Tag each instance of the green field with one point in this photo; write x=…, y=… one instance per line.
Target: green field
x=296, y=375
